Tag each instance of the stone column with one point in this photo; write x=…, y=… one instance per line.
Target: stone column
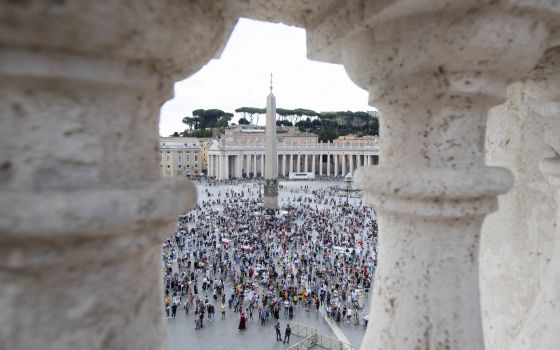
x=291, y=156
x=305, y=162
x=434, y=75
x=298, y=164
x=254, y=165
x=343, y=172
x=262, y=164
x=209, y=165
x=284, y=164
x=328, y=164
x=351, y=170
x=226, y=166
x=320, y=164
x=248, y=163
x=313, y=164
x=542, y=88
x=83, y=209
x=336, y=164
x=239, y=165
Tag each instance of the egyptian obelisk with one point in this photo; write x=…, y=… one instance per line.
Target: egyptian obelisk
x=271, y=155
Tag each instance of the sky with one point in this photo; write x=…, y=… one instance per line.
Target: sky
x=241, y=78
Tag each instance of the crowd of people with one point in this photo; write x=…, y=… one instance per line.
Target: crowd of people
x=316, y=254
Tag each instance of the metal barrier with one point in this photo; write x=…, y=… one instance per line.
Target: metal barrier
x=306, y=343
x=312, y=337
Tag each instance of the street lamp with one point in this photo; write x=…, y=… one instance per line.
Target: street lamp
x=348, y=180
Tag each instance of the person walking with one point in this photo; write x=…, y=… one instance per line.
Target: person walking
x=278, y=332
x=223, y=307
x=166, y=304
x=287, y=334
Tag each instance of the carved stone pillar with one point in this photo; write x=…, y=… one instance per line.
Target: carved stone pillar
x=540, y=327
x=433, y=74
x=83, y=210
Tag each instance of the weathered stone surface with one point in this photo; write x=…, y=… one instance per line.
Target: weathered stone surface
x=82, y=208
x=516, y=240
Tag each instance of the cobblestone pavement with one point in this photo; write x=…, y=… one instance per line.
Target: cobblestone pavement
x=223, y=334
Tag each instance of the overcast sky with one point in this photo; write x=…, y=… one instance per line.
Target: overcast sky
x=241, y=77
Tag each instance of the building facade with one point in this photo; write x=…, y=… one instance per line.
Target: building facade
x=180, y=156
x=241, y=153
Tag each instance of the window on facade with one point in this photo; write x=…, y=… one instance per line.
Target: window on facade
x=179, y=165
x=188, y=166
x=195, y=158
x=168, y=166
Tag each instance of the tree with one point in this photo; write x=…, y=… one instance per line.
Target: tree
x=284, y=123
x=209, y=118
x=223, y=122
x=243, y=121
x=191, y=122
x=250, y=112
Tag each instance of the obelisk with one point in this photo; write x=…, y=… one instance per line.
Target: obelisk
x=271, y=155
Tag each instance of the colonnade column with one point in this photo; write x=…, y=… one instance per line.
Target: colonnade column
x=434, y=76
x=336, y=164
x=313, y=164
x=209, y=165
x=284, y=173
x=343, y=172
x=227, y=173
x=292, y=163
x=262, y=165
x=239, y=164
x=320, y=164
x=298, y=164
x=328, y=164
x=351, y=171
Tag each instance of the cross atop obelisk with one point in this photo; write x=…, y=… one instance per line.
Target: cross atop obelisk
x=270, y=82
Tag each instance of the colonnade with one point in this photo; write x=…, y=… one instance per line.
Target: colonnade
x=83, y=210
x=239, y=165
